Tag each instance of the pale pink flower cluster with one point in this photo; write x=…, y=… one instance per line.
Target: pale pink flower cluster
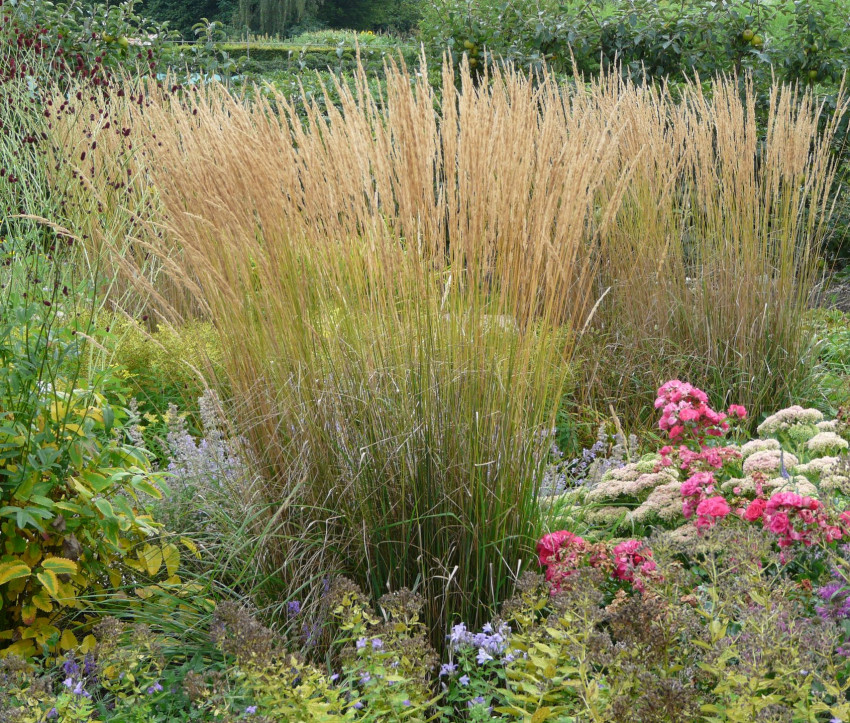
x=631, y=486
x=824, y=442
x=664, y=502
x=758, y=445
x=769, y=460
x=706, y=459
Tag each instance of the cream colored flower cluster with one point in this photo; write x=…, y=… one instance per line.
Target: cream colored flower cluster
x=656, y=494
x=787, y=418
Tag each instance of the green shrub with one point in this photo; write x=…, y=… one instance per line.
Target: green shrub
x=71, y=484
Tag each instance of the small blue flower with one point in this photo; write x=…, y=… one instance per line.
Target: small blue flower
x=334, y=677
x=358, y=705
x=361, y=643
x=250, y=710
x=155, y=688
x=52, y=713
x=483, y=656
x=406, y=703
x=448, y=669
x=293, y=608
x=463, y=680
x=70, y=667
x=377, y=644
x=365, y=678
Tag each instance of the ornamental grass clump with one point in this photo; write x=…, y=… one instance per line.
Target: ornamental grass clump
x=400, y=281
x=395, y=340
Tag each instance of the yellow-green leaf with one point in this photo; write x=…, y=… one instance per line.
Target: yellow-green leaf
x=13, y=570
x=59, y=565
x=28, y=613
x=171, y=557
x=152, y=557
x=191, y=546
x=42, y=601
x=89, y=643
x=541, y=714
x=50, y=581
x=68, y=640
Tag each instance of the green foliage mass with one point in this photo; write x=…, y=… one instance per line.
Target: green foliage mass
x=71, y=483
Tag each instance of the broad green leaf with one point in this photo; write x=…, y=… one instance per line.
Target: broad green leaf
x=13, y=570
x=105, y=508
x=97, y=481
x=143, y=485
x=108, y=418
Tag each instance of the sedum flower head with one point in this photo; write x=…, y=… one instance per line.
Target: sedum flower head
x=826, y=442
x=784, y=419
x=769, y=460
x=758, y=445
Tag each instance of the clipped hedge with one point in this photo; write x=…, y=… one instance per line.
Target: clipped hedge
x=314, y=57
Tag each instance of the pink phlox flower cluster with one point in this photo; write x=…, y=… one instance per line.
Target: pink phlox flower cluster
x=706, y=459
x=794, y=518
x=633, y=562
x=685, y=409
x=710, y=510
x=697, y=488
x=562, y=553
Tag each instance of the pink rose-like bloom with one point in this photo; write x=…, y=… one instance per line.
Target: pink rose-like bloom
x=833, y=534
x=689, y=414
x=713, y=507
x=738, y=411
x=755, y=510
x=632, y=557
x=779, y=524
x=551, y=544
